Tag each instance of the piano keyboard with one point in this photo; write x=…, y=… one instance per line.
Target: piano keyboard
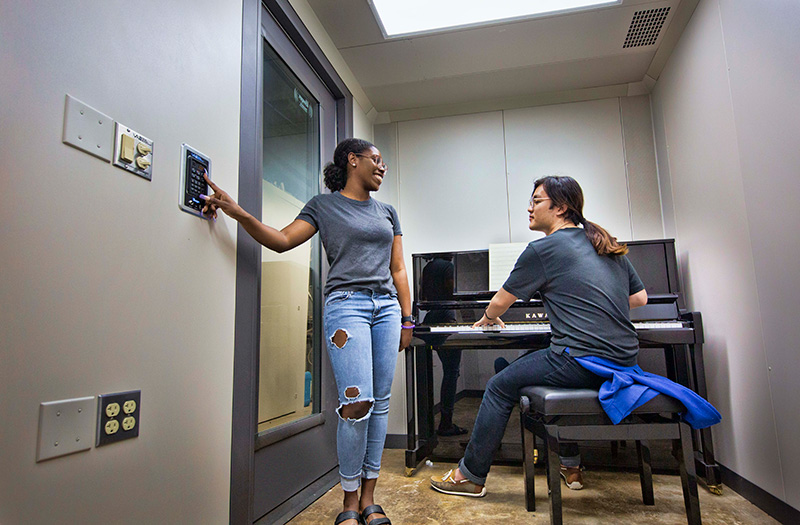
x=541, y=327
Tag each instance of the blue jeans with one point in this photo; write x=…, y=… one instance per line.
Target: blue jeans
x=363, y=357
x=543, y=367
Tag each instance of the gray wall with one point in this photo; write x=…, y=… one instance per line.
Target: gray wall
x=727, y=118
x=106, y=286
x=463, y=182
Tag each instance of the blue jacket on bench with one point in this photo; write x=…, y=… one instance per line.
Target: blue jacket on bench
x=629, y=387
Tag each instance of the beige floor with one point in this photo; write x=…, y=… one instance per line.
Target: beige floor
x=609, y=497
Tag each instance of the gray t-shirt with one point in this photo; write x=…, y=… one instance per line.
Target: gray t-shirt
x=585, y=295
x=358, y=237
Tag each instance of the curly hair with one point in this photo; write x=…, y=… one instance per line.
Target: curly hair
x=336, y=172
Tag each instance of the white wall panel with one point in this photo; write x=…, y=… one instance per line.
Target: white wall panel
x=386, y=141
x=452, y=183
x=698, y=137
x=763, y=50
x=582, y=140
x=640, y=165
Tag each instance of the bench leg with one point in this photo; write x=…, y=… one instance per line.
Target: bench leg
x=528, y=459
x=645, y=472
x=553, y=474
x=688, y=475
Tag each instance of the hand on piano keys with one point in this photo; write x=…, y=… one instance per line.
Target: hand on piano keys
x=486, y=323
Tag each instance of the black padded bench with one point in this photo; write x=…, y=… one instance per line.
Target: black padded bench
x=563, y=414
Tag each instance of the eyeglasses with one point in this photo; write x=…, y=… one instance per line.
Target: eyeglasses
x=534, y=201
x=375, y=158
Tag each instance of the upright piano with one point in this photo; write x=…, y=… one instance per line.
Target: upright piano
x=451, y=291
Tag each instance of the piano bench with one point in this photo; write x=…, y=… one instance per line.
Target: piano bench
x=563, y=414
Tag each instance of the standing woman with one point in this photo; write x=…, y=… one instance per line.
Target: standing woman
x=366, y=300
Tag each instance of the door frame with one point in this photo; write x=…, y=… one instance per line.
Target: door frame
x=247, y=322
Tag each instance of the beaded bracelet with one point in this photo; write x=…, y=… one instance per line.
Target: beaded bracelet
x=408, y=327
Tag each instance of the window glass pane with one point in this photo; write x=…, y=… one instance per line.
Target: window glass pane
x=289, y=281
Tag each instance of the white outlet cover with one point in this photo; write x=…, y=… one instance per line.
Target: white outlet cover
x=65, y=427
x=88, y=129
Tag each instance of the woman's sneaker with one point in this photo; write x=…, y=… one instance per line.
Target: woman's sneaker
x=448, y=485
x=573, y=477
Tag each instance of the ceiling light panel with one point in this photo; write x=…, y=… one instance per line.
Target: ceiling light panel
x=404, y=17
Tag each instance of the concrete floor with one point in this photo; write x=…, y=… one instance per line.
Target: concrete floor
x=608, y=497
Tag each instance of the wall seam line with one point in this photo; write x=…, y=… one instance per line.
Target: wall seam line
x=625, y=162
x=505, y=167
x=658, y=171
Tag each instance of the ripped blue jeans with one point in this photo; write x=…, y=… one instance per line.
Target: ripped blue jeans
x=362, y=331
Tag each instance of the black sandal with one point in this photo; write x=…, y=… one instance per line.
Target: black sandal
x=375, y=509
x=348, y=515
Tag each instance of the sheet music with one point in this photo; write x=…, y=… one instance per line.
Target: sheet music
x=501, y=261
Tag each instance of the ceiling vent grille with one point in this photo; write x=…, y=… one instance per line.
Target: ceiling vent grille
x=645, y=27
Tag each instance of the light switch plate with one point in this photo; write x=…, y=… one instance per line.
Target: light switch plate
x=88, y=129
x=65, y=427
x=140, y=144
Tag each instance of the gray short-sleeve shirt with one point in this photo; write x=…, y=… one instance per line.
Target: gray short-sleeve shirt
x=585, y=295
x=358, y=237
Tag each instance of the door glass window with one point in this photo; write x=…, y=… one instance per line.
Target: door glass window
x=290, y=292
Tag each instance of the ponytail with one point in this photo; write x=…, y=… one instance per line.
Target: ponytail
x=603, y=242
x=335, y=177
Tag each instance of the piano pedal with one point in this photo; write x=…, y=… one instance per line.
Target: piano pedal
x=715, y=489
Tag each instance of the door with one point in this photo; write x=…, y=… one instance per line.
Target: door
x=295, y=442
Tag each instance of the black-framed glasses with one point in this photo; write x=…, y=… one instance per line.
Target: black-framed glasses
x=377, y=159
x=535, y=200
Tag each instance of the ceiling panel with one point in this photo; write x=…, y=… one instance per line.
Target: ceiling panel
x=560, y=52
x=508, y=83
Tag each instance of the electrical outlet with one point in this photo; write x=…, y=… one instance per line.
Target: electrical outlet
x=118, y=416
x=112, y=426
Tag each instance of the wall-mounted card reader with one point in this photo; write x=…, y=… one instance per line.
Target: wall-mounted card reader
x=193, y=165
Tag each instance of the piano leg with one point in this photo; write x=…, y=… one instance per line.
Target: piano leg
x=421, y=440
x=704, y=458
x=683, y=374
x=411, y=418
x=685, y=367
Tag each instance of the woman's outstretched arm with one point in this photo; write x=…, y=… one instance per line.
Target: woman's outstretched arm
x=293, y=235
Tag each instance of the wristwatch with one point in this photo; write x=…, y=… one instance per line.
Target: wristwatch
x=408, y=319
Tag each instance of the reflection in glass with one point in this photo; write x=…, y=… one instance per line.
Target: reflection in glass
x=290, y=281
